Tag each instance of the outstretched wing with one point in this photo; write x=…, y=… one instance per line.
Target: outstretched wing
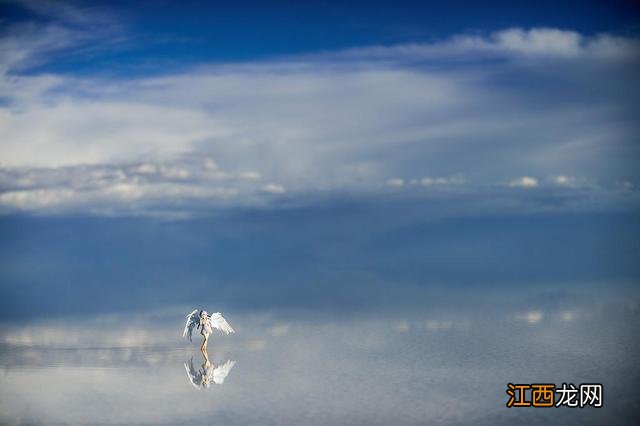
x=195, y=377
x=221, y=372
x=192, y=322
x=218, y=321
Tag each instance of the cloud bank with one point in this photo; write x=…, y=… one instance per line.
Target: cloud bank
x=519, y=109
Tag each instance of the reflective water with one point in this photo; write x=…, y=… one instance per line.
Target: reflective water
x=443, y=364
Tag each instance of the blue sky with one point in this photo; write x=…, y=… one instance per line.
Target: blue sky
x=170, y=32
x=413, y=137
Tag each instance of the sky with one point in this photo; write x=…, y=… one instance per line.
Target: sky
x=162, y=148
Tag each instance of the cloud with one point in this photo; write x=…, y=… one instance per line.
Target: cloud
x=524, y=182
x=568, y=316
x=250, y=175
x=37, y=198
x=237, y=133
x=561, y=180
x=531, y=317
x=127, y=187
x=396, y=182
x=539, y=41
x=56, y=28
x=21, y=46
x=430, y=181
x=510, y=42
x=426, y=181
x=273, y=188
x=279, y=330
x=435, y=325
x=66, y=12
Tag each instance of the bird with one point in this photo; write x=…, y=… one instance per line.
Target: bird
x=206, y=323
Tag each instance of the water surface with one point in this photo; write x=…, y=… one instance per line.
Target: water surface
x=439, y=365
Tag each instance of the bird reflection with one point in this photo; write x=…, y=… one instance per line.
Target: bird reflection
x=209, y=373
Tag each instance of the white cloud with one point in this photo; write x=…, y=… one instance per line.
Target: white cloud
x=67, y=12
x=123, y=187
x=510, y=42
x=396, y=182
x=273, y=188
x=524, y=182
x=250, y=175
x=428, y=181
x=561, y=180
x=547, y=41
x=211, y=165
x=22, y=45
x=531, y=317
x=175, y=173
x=146, y=168
x=36, y=199
x=80, y=132
x=431, y=181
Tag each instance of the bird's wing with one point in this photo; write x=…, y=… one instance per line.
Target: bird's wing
x=192, y=322
x=192, y=374
x=221, y=372
x=217, y=321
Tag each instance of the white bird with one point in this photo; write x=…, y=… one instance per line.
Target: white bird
x=206, y=323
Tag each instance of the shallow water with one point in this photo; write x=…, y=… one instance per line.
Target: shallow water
x=437, y=366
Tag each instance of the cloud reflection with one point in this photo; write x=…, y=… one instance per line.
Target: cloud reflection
x=531, y=317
